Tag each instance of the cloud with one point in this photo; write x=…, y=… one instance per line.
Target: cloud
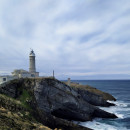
x=76, y=39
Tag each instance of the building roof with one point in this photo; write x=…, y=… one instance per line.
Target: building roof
x=32, y=53
x=19, y=71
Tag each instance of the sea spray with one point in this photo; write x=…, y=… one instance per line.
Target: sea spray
x=120, y=89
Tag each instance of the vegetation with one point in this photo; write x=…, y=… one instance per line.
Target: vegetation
x=14, y=115
x=105, y=96
x=17, y=113
x=25, y=97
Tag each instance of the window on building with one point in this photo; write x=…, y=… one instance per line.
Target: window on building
x=32, y=75
x=4, y=79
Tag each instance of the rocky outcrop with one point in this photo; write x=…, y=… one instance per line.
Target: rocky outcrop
x=93, y=95
x=54, y=101
x=65, y=102
x=94, y=99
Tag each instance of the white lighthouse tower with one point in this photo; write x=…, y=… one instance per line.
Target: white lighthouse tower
x=32, y=66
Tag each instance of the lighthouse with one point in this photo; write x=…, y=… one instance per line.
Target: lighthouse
x=32, y=68
x=20, y=73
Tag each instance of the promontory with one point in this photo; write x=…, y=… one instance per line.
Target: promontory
x=47, y=103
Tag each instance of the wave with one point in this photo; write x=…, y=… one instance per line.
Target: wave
x=121, y=110
x=97, y=125
x=119, y=103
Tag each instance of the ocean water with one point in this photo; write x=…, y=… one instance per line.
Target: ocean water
x=120, y=89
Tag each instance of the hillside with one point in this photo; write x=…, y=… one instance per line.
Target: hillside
x=13, y=114
x=45, y=101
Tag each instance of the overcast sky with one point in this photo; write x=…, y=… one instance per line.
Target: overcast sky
x=80, y=39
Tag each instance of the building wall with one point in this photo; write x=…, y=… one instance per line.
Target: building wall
x=1, y=79
x=36, y=74
x=4, y=79
x=24, y=75
x=18, y=75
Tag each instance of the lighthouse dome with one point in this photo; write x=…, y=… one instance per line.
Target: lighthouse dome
x=32, y=53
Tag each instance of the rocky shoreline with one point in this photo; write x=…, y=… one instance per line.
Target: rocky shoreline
x=53, y=103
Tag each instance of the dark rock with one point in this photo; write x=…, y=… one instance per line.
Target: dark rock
x=55, y=101
x=55, y=122
x=93, y=95
x=63, y=101
x=93, y=98
x=99, y=113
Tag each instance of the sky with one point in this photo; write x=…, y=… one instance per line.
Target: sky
x=80, y=39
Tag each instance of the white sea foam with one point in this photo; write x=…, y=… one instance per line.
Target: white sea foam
x=120, y=109
x=114, y=110
x=119, y=115
x=118, y=103
x=97, y=125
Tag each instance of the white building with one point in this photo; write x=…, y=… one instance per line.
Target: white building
x=20, y=73
x=6, y=78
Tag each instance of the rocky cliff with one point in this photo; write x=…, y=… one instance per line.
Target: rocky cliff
x=93, y=95
x=55, y=104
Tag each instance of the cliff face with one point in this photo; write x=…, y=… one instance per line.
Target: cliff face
x=65, y=102
x=93, y=95
x=53, y=101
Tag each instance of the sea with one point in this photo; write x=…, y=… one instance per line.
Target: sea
x=120, y=89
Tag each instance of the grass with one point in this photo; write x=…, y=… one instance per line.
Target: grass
x=12, y=100
x=93, y=90
x=11, y=120
x=17, y=119
x=24, y=97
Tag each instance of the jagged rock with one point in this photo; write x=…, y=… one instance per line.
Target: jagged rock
x=93, y=95
x=65, y=102
x=94, y=99
x=57, y=100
